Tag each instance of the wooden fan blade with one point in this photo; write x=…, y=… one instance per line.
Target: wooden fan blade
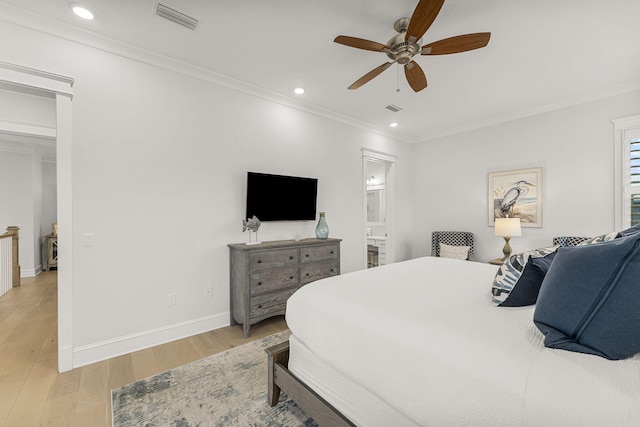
x=360, y=43
x=423, y=16
x=369, y=76
x=415, y=76
x=457, y=44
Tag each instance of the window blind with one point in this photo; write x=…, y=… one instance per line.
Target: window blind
x=634, y=150
x=634, y=172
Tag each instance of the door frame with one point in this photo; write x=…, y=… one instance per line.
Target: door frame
x=60, y=88
x=390, y=200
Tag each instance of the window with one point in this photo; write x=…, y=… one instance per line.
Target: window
x=634, y=172
x=627, y=180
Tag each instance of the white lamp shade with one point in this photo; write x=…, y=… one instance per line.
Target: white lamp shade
x=508, y=227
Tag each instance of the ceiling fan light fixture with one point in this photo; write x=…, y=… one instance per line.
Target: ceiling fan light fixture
x=407, y=44
x=82, y=11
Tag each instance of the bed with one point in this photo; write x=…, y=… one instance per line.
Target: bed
x=418, y=343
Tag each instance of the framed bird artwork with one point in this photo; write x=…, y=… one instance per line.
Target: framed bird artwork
x=516, y=194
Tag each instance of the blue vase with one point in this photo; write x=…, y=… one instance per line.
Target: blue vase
x=322, y=229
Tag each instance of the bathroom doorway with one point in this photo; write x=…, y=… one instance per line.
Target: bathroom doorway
x=379, y=208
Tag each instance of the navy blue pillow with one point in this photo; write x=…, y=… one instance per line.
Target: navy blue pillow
x=518, y=280
x=525, y=292
x=544, y=263
x=589, y=301
x=630, y=231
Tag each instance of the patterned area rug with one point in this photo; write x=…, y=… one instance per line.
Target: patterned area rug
x=226, y=389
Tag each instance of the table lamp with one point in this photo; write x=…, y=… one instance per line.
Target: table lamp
x=507, y=228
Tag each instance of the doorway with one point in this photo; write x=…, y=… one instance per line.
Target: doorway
x=59, y=88
x=379, y=208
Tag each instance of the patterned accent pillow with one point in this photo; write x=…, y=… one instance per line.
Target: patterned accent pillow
x=455, y=252
x=599, y=239
x=518, y=280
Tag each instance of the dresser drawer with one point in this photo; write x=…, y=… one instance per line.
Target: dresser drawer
x=268, y=304
x=318, y=270
x=265, y=260
x=318, y=253
x=271, y=280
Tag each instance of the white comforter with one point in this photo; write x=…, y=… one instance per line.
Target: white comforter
x=424, y=337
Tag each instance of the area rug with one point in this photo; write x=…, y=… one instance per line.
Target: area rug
x=226, y=389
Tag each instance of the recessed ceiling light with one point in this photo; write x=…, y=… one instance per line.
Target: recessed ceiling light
x=393, y=125
x=82, y=11
x=299, y=90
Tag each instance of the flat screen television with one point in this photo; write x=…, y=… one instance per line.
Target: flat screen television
x=280, y=197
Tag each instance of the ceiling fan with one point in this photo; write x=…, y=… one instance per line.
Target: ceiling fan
x=402, y=47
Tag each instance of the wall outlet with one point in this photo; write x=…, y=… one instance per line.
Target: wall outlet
x=171, y=299
x=208, y=292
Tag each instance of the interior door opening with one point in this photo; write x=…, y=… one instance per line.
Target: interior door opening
x=379, y=209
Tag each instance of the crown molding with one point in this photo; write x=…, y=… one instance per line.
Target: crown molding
x=585, y=98
x=87, y=38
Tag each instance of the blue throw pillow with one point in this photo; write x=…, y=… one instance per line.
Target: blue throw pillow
x=544, y=263
x=518, y=280
x=629, y=231
x=589, y=300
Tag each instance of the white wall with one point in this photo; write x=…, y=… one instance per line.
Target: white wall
x=28, y=192
x=17, y=195
x=159, y=167
x=24, y=185
x=573, y=145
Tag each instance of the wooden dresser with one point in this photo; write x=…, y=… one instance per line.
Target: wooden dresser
x=264, y=276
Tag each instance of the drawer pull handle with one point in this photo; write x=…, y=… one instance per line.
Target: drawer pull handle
x=331, y=252
x=259, y=261
x=260, y=306
x=307, y=274
x=291, y=257
x=307, y=255
x=259, y=283
x=290, y=277
x=332, y=270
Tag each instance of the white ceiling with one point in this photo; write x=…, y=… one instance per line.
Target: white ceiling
x=543, y=54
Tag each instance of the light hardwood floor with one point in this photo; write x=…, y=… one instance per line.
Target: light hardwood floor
x=33, y=393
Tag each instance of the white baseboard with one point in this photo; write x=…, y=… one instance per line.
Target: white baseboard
x=86, y=354
x=65, y=357
x=30, y=272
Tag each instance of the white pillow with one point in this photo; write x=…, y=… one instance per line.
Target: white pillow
x=455, y=252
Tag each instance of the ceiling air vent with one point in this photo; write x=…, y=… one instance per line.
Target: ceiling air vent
x=170, y=13
x=393, y=108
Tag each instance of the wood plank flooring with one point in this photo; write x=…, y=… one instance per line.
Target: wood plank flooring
x=33, y=393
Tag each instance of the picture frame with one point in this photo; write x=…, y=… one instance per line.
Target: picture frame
x=516, y=194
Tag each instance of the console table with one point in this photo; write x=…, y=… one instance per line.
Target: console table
x=265, y=275
x=50, y=251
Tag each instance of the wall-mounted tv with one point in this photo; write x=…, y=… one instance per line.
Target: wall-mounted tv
x=280, y=197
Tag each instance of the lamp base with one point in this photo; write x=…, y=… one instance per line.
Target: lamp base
x=507, y=247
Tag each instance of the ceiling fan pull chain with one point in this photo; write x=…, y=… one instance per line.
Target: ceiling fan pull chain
x=398, y=76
